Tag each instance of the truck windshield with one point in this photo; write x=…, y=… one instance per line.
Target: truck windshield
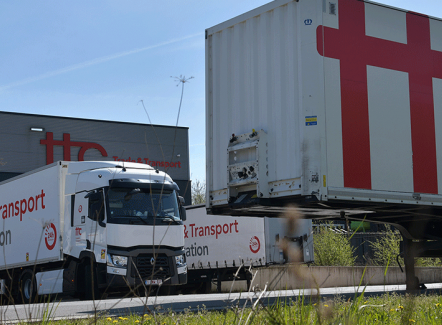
x=142, y=206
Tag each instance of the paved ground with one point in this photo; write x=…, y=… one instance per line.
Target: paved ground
x=84, y=309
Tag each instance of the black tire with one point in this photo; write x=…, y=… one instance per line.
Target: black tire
x=167, y=290
x=91, y=291
x=204, y=288
x=27, y=287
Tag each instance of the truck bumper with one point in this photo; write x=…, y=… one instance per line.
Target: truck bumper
x=146, y=268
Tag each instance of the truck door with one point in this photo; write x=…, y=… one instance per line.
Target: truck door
x=96, y=226
x=89, y=223
x=79, y=225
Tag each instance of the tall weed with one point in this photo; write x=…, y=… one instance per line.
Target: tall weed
x=332, y=248
x=387, y=248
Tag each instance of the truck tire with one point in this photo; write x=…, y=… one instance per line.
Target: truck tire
x=167, y=290
x=27, y=287
x=204, y=288
x=91, y=291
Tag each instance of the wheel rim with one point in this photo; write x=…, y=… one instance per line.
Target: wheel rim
x=27, y=289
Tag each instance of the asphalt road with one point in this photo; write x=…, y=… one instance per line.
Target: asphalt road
x=118, y=307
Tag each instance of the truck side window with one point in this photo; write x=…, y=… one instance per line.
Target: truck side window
x=96, y=207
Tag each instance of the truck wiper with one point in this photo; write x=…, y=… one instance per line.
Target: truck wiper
x=169, y=220
x=138, y=217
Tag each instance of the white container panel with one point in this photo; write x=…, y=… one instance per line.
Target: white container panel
x=385, y=24
x=436, y=35
x=345, y=116
x=335, y=168
x=390, y=145
x=259, y=75
x=212, y=241
x=31, y=228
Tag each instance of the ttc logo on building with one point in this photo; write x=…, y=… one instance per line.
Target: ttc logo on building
x=66, y=143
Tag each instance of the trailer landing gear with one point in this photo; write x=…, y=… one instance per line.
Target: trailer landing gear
x=411, y=280
x=413, y=249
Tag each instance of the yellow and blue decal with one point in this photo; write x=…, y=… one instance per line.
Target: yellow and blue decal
x=311, y=120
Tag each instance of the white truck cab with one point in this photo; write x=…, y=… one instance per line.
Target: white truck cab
x=110, y=227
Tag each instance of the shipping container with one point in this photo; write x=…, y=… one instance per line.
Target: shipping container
x=335, y=105
x=325, y=101
x=222, y=248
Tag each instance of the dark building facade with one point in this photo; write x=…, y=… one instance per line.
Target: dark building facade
x=29, y=141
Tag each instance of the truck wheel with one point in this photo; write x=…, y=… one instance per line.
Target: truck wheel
x=167, y=290
x=204, y=288
x=91, y=291
x=27, y=287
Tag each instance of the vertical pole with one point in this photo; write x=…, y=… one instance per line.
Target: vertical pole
x=411, y=280
x=218, y=282
x=249, y=280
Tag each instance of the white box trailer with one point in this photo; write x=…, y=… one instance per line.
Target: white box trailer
x=334, y=105
x=82, y=228
x=32, y=218
x=331, y=102
x=219, y=246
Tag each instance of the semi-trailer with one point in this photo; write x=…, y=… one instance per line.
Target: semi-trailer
x=222, y=248
x=85, y=228
x=334, y=105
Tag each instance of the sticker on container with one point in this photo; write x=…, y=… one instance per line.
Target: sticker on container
x=50, y=236
x=255, y=245
x=311, y=120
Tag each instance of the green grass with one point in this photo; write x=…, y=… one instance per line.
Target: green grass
x=386, y=309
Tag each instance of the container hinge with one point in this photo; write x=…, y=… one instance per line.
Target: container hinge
x=247, y=164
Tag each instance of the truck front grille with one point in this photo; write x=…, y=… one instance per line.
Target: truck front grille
x=145, y=267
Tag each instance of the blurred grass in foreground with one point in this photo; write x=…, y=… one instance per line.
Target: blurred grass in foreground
x=386, y=309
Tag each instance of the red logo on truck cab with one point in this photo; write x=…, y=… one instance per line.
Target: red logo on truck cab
x=50, y=236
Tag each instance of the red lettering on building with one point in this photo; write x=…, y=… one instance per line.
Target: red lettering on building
x=66, y=143
x=356, y=51
x=153, y=163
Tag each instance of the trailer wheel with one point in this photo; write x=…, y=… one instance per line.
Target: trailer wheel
x=27, y=287
x=91, y=291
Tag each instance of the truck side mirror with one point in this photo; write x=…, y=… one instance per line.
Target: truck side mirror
x=183, y=213
x=96, y=207
x=182, y=209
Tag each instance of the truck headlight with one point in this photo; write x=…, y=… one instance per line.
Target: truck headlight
x=180, y=260
x=116, y=260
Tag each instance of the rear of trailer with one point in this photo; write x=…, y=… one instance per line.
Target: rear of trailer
x=32, y=218
x=328, y=104
x=334, y=105
x=225, y=248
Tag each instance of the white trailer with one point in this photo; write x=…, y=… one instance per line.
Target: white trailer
x=324, y=100
x=334, y=105
x=220, y=248
x=82, y=228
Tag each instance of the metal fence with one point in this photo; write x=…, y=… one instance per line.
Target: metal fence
x=361, y=243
